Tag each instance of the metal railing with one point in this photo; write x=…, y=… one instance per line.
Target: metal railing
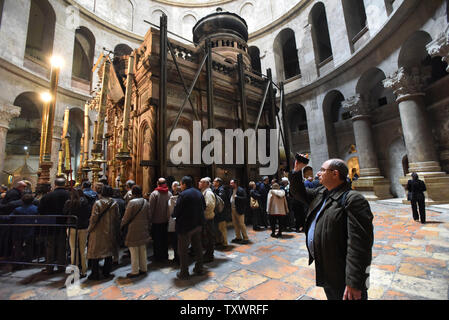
x=40, y=240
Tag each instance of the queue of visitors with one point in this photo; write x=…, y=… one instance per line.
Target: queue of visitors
x=191, y=220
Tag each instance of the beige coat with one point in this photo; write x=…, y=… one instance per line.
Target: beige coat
x=277, y=202
x=210, y=204
x=103, y=233
x=139, y=228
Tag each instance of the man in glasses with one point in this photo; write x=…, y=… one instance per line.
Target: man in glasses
x=339, y=231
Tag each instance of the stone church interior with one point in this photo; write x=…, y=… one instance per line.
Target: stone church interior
x=364, y=81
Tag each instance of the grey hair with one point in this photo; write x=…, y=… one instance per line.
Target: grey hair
x=340, y=166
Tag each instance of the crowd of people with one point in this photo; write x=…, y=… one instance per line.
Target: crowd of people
x=171, y=216
x=193, y=220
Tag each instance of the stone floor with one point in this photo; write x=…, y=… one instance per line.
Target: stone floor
x=410, y=261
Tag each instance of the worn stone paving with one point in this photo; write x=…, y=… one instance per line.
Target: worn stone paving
x=410, y=261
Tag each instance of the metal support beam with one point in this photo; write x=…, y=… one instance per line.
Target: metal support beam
x=182, y=79
x=285, y=126
x=272, y=113
x=210, y=98
x=188, y=95
x=244, y=111
x=162, y=146
x=262, y=105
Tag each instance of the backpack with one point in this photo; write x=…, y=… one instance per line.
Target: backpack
x=219, y=204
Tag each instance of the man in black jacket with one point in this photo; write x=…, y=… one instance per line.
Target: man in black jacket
x=238, y=207
x=189, y=215
x=53, y=204
x=416, y=188
x=339, y=231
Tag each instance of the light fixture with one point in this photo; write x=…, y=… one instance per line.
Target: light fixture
x=56, y=61
x=46, y=97
x=25, y=148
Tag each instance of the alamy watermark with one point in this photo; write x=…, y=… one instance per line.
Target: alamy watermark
x=212, y=153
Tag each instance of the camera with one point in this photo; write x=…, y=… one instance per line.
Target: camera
x=301, y=158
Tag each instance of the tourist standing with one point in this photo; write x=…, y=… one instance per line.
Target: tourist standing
x=416, y=188
x=137, y=219
x=103, y=232
x=277, y=209
x=238, y=206
x=339, y=231
x=78, y=206
x=209, y=214
x=159, y=220
x=189, y=214
x=53, y=204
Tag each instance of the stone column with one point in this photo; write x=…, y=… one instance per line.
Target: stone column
x=440, y=48
x=7, y=113
x=371, y=183
x=408, y=86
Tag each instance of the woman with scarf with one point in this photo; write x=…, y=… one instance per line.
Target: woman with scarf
x=159, y=220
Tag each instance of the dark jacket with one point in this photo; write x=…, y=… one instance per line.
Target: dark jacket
x=11, y=196
x=82, y=212
x=223, y=194
x=28, y=231
x=343, y=235
x=264, y=189
x=416, y=189
x=91, y=197
x=240, y=200
x=53, y=204
x=121, y=206
x=189, y=210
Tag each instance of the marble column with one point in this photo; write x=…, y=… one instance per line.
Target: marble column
x=371, y=183
x=408, y=86
x=7, y=113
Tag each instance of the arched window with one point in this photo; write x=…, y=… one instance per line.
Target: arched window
x=41, y=30
x=254, y=54
x=320, y=33
x=120, y=65
x=297, y=118
x=286, y=55
x=333, y=113
x=83, y=54
x=188, y=22
x=25, y=130
x=355, y=17
x=370, y=86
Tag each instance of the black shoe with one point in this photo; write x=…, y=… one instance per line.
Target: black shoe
x=244, y=241
x=273, y=235
x=208, y=259
x=108, y=276
x=236, y=240
x=181, y=276
x=83, y=276
x=132, y=275
x=199, y=272
x=142, y=273
x=279, y=235
x=93, y=277
x=257, y=229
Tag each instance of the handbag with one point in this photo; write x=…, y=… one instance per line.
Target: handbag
x=254, y=204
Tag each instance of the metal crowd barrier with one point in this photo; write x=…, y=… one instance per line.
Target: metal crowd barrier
x=40, y=240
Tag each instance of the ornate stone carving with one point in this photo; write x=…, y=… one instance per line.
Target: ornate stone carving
x=407, y=83
x=440, y=47
x=7, y=113
x=356, y=105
